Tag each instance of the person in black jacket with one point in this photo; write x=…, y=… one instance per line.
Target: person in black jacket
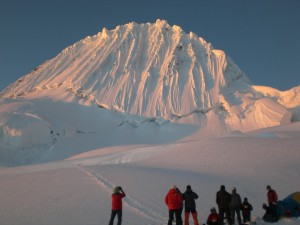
x=223, y=200
x=235, y=206
x=190, y=205
x=246, y=210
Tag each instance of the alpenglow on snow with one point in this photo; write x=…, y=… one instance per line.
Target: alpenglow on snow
x=156, y=71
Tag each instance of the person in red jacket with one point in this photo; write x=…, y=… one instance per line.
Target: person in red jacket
x=272, y=196
x=116, y=208
x=174, y=202
x=213, y=218
x=272, y=200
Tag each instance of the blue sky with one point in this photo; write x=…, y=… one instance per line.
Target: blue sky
x=261, y=36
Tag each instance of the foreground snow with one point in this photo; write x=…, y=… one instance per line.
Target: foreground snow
x=77, y=190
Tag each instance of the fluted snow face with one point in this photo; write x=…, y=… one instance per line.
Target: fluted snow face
x=161, y=73
x=142, y=69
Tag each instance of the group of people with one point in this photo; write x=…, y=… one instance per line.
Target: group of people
x=231, y=205
x=174, y=200
x=228, y=205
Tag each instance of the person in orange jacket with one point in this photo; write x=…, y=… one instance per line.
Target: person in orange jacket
x=213, y=218
x=174, y=202
x=116, y=209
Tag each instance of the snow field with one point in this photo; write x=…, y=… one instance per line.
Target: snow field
x=78, y=190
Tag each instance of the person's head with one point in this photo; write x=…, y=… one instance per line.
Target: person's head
x=268, y=187
x=222, y=187
x=245, y=199
x=233, y=190
x=188, y=187
x=116, y=189
x=174, y=187
x=213, y=210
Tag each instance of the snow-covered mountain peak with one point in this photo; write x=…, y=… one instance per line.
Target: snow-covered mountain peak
x=156, y=71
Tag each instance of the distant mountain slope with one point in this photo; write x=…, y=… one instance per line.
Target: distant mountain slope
x=289, y=98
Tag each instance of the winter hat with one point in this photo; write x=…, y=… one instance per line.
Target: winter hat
x=213, y=209
x=116, y=189
x=188, y=187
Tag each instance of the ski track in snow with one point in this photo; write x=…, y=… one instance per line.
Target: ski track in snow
x=123, y=157
x=129, y=201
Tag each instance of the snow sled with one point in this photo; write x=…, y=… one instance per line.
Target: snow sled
x=288, y=207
